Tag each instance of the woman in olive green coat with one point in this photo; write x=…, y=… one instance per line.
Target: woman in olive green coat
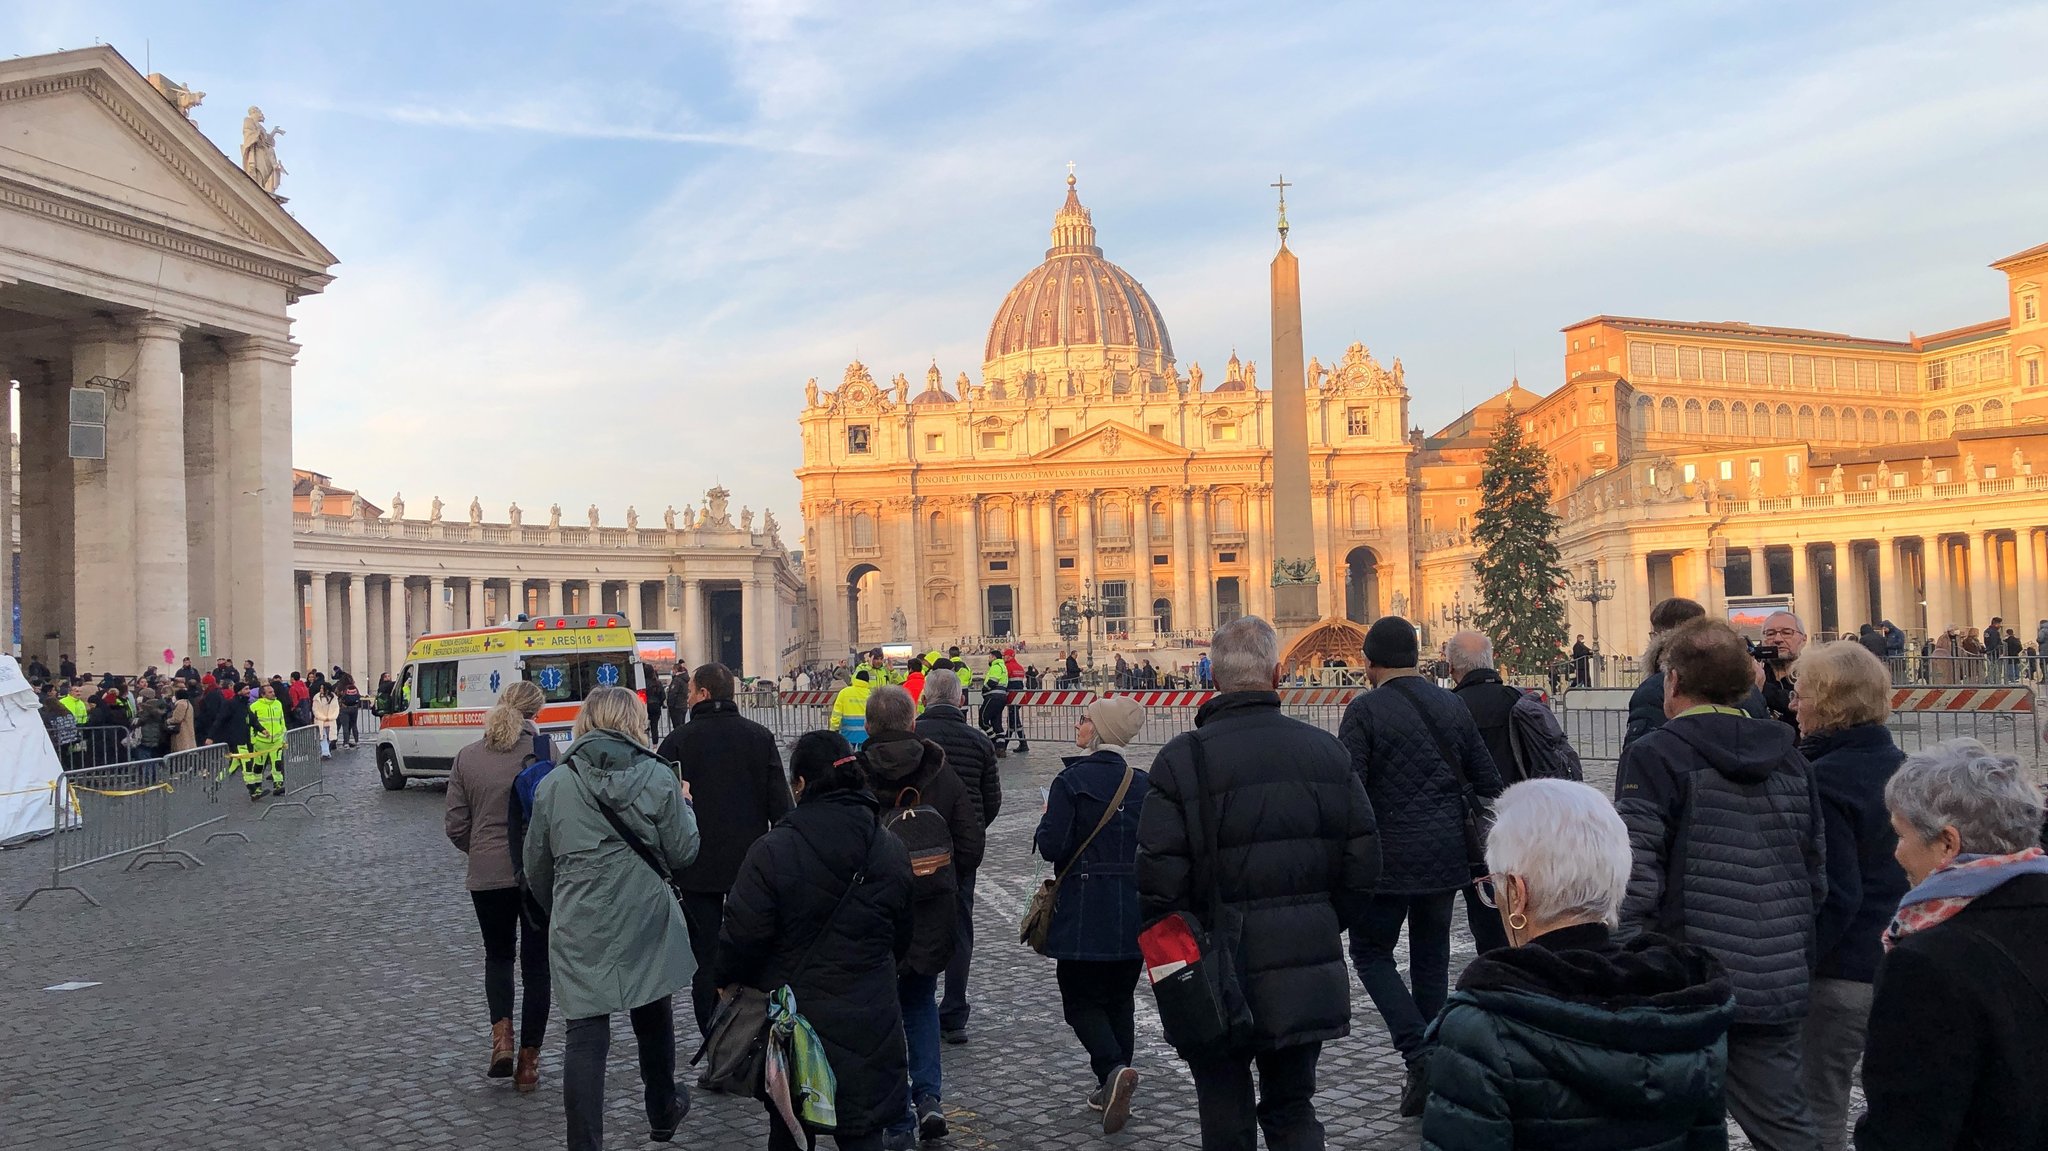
x=616, y=939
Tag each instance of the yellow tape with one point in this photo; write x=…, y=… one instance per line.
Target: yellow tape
x=50, y=786
x=122, y=794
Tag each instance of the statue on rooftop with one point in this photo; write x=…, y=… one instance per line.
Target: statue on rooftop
x=259, y=152
x=434, y=511
x=554, y=515
x=398, y=505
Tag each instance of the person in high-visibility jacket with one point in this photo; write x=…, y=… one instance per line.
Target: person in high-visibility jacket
x=73, y=701
x=266, y=744
x=850, y=708
x=995, y=692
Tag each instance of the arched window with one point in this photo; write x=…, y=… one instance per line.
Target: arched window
x=1806, y=429
x=1667, y=416
x=863, y=530
x=1694, y=417
x=1826, y=426
x=1891, y=427
x=938, y=522
x=1912, y=426
x=1994, y=413
x=1642, y=421
x=1739, y=420
x=995, y=524
x=1717, y=419
x=1115, y=525
x=1966, y=418
x=1361, y=511
x=1783, y=424
x=1063, y=521
x=1226, y=515
x=1937, y=425
x=1160, y=529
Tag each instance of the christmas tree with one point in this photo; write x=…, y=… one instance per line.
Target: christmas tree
x=1521, y=582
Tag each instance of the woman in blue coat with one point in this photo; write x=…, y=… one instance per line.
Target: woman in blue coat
x=1094, y=932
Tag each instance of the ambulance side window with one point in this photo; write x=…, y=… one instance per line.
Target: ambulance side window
x=434, y=686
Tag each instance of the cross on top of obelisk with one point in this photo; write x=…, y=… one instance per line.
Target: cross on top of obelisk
x=1283, y=185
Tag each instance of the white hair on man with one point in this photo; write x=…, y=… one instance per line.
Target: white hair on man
x=942, y=689
x=1244, y=654
x=1467, y=652
x=1568, y=846
x=891, y=709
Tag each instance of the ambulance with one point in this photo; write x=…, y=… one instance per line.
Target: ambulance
x=451, y=680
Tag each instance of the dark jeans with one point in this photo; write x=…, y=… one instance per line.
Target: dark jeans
x=507, y=935
x=590, y=1041
x=1285, y=1110
x=702, y=913
x=346, y=726
x=779, y=1138
x=1407, y=1010
x=953, y=1006
x=918, y=995
x=1099, y=1001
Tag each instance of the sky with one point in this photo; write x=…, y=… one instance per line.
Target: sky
x=590, y=252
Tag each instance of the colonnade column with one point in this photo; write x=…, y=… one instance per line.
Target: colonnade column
x=156, y=407
x=208, y=495
x=1891, y=597
x=1205, y=588
x=1047, y=559
x=1852, y=595
x=476, y=602
x=691, y=641
x=438, y=618
x=557, y=601
x=260, y=480
x=1934, y=578
x=358, y=662
x=1024, y=609
x=395, y=618
x=1983, y=593
x=1140, y=506
x=2028, y=573
x=102, y=593
x=316, y=611
x=1805, y=600
x=752, y=645
x=46, y=519
x=1183, y=564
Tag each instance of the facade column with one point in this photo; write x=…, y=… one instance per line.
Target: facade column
x=823, y=524
x=358, y=660
x=156, y=407
x=1140, y=506
x=1805, y=596
x=1047, y=559
x=1330, y=593
x=1983, y=592
x=259, y=398
x=909, y=573
x=1183, y=564
x=973, y=612
x=395, y=616
x=1203, y=553
x=103, y=596
x=316, y=623
x=47, y=620
x=1258, y=591
x=691, y=642
x=1025, y=607
x=752, y=643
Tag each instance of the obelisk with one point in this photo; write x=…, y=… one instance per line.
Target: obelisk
x=1295, y=579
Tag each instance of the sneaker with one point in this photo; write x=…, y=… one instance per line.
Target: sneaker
x=1116, y=1103
x=1416, y=1093
x=668, y=1133
x=277, y=789
x=931, y=1122
x=255, y=795
x=1097, y=1098
x=954, y=1035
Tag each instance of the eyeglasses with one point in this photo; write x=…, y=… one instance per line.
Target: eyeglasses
x=1486, y=885
x=1781, y=632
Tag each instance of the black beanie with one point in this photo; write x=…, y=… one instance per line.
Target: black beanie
x=1391, y=642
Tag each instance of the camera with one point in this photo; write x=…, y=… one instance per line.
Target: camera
x=1767, y=653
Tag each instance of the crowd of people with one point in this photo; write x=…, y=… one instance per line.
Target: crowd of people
x=1774, y=895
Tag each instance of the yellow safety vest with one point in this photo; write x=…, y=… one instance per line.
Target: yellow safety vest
x=998, y=673
x=266, y=724
x=75, y=706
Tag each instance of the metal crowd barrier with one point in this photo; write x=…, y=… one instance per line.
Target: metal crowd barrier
x=138, y=807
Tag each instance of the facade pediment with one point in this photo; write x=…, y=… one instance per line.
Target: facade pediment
x=1114, y=441
x=85, y=139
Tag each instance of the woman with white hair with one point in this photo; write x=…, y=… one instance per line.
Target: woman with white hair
x=1956, y=1055
x=1566, y=1038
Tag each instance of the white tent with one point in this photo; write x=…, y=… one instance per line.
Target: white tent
x=28, y=764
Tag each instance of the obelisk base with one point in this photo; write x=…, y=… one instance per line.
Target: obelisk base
x=1295, y=606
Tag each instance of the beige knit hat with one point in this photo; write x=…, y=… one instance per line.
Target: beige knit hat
x=1117, y=719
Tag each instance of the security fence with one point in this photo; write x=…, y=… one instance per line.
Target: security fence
x=138, y=807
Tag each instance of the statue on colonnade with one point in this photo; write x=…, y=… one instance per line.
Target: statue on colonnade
x=668, y=517
x=398, y=505
x=476, y=511
x=259, y=152
x=632, y=518
x=593, y=517
x=554, y=515
x=434, y=511
x=514, y=515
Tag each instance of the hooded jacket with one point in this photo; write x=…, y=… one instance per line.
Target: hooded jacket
x=616, y=938
x=1572, y=1042
x=1724, y=824
x=969, y=753
x=898, y=761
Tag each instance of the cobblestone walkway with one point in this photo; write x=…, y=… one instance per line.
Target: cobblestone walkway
x=320, y=987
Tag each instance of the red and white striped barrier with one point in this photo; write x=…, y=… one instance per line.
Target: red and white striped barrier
x=807, y=698
x=1996, y=699
x=1168, y=698
x=1051, y=698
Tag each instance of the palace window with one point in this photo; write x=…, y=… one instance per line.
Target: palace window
x=1667, y=361
x=1692, y=417
x=1667, y=416
x=995, y=440
x=1966, y=418
x=935, y=442
x=1115, y=525
x=1066, y=561
x=1739, y=421
x=1736, y=374
x=2030, y=308
x=1991, y=364
x=1688, y=363
x=1358, y=421
x=1116, y=599
x=1223, y=433
x=1727, y=469
x=1891, y=427
x=2033, y=373
x=1717, y=419
x=1937, y=375
x=1691, y=473
x=995, y=525
x=1710, y=365
x=1160, y=561
x=1781, y=370
x=857, y=439
x=938, y=522
x=1361, y=512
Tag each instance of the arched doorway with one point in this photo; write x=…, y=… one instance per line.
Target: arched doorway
x=1162, y=616
x=1362, y=585
x=862, y=584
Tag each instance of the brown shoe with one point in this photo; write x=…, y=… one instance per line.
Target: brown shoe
x=501, y=1049
x=527, y=1077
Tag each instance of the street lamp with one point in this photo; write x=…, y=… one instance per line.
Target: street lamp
x=1454, y=614
x=1592, y=591
x=1078, y=613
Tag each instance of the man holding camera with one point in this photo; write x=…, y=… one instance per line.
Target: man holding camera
x=1784, y=639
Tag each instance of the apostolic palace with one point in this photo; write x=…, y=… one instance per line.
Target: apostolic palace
x=1865, y=478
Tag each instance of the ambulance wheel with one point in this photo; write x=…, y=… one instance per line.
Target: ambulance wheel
x=387, y=769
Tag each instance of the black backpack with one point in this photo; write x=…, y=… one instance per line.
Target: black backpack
x=926, y=836
x=1540, y=747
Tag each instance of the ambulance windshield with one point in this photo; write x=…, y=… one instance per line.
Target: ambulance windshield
x=570, y=676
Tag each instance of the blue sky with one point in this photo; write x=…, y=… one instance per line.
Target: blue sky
x=590, y=252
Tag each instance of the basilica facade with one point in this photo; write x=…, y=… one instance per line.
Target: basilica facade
x=1088, y=468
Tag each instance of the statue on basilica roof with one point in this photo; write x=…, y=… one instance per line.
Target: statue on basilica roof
x=1195, y=377
x=811, y=392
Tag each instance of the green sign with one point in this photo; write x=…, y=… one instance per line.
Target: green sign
x=205, y=638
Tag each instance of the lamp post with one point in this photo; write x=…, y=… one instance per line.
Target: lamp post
x=1454, y=614
x=1078, y=615
x=1592, y=591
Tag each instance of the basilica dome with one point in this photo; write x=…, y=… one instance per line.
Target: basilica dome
x=1076, y=312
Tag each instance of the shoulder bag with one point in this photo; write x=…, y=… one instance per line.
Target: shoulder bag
x=1477, y=819
x=633, y=841
x=735, y=1048
x=1193, y=963
x=1036, y=926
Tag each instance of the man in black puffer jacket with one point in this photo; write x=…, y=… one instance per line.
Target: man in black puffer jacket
x=1725, y=826
x=972, y=756
x=1296, y=859
x=1402, y=737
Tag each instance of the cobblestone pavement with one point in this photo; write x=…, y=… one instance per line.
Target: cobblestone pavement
x=320, y=987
